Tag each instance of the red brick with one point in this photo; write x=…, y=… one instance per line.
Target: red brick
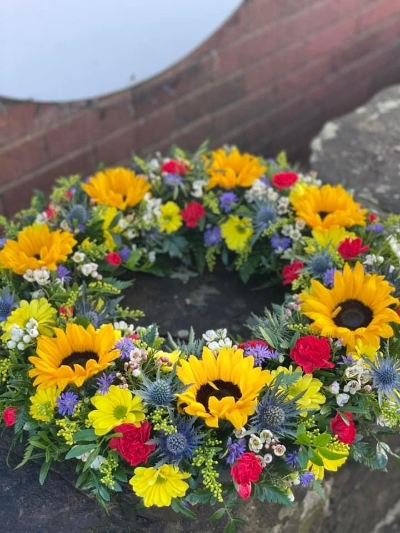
x=16, y=119
x=153, y=129
x=17, y=195
x=383, y=11
x=190, y=138
x=117, y=146
x=211, y=99
x=331, y=38
x=69, y=136
x=22, y=158
x=258, y=12
x=259, y=45
x=111, y=115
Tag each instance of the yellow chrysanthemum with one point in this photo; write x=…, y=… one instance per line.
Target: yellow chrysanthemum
x=328, y=238
x=158, y=486
x=356, y=309
x=166, y=360
x=108, y=215
x=364, y=350
x=307, y=385
x=224, y=387
x=117, y=406
x=327, y=207
x=236, y=232
x=39, y=311
x=117, y=187
x=233, y=169
x=73, y=355
x=332, y=456
x=36, y=247
x=170, y=219
x=43, y=404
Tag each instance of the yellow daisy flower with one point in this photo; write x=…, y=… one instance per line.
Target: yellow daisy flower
x=307, y=385
x=108, y=215
x=328, y=238
x=327, y=207
x=224, y=387
x=233, y=169
x=117, y=406
x=170, y=219
x=166, y=360
x=117, y=187
x=40, y=311
x=236, y=232
x=73, y=355
x=43, y=404
x=36, y=247
x=332, y=456
x=356, y=309
x=158, y=486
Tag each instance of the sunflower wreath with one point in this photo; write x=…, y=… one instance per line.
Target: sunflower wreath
x=214, y=419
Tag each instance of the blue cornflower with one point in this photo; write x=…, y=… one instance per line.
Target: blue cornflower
x=180, y=445
x=235, y=449
x=264, y=217
x=212, y=236
x=226, y=201
x=276, y=412
x=280, y=244
x=125, y=345
x=347, y=360
x=78, y=216
x=66, y=403
x=7, y=304
x=320, y=263
x=104, y=382
x=385, y=374
x=328, y=277
x=306, y=478
x=261, y=353
x=173, y=180
x=62, y=274
x=124, y=253
x=292, y=459
x=3, y=241
x=377, y=228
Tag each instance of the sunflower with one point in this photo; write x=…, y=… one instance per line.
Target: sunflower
x=356, y=309
x=73, y=355
x=236, y=232
x=225, y=386
x=233, y=169
x=37, y=313
x=117, y=187
x=36, y=247
x=115, y=407
x=158, y=486
x=326, y=207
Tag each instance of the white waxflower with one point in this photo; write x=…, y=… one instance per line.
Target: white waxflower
x=334, y=388
x=342, y=399
x=16, y=333
x=210, y=335
x=64, y=225
x=300, y=224
x=286, y=230
x=42, y=276
x=295, y=234
x=11, y=345
x=88, y=269
x=266, y=436
x=258, y=191
x=267, y=459
x=29, y=276
x=41, y=218
x=352, y=386
x=239, y=433
x=154, y=165
x=32, y=323
x=255, y=443
x=197, y=188
x=78, y=257
x=279, y=450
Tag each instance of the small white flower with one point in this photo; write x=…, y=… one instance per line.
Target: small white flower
x=255, y=443
x=11, y=344
x=78, y=257
x=33, y=333
x=279, y=450
x=342, y=399
x=239, y=433
x=64, y=225
x=88, y=269
x=41, y=218
x=16, y=333
x=260, y=191
x=136, y=373
x=197, y=188
x=42, y=276
x=334, y=388
x=210, y=335
x=152, y=256
x=266, y=436
x=300, y=224
x=352, y=386
x=38, y=294
x=32, y=323
x=21, y=346
x=123, y=223
x=295, y=234
x=27, y=339
x=29, y=276
x=267, y=458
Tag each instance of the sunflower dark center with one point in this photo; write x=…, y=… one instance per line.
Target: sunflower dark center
x=79, y=358
x=353, y=314
x=323, y=214
x=221, y=389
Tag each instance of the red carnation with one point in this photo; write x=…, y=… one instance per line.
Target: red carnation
x=192, y=213
x=284, y=180
x=350, y=248
x=346, y=433
x=132, y=445
x=248, y=345
x=174, y=166
x=291, y=272
x=246, y=470
x=10, y=416
x=113, y=258
x=372, y=217
x=311, y=352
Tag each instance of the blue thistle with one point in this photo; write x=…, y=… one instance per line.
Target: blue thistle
x=175, y=447
x=161, y=391
x=385, y=374
x=7, y=304
x=320, y=263
x=78, y=216
x=263, y=218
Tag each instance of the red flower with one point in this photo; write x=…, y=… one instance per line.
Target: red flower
x=10, y=415
x=284, y=180
x=66, y=312
x=346, y=433
x=350, y=248
x=192, y=213
x=244, y=490
x=291, y=272
x=113, y=258
x=372, y=217
x=311, y=352
x=246, y=470
x=174, y=166
x=132, y=445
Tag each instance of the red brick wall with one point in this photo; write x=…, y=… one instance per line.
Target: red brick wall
x=267, y=80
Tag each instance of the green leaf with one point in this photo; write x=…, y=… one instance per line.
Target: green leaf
x=76, y=451
x=219, y=513
x=27, y=455
x=230, y=527
x=85, y=435
x=314, y=458
x=178, y=507
x=322, y=440
x=44, y=471
x=381, y=456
